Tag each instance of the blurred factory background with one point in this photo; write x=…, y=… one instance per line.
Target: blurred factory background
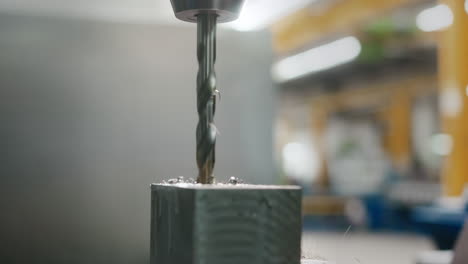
x=363, y=103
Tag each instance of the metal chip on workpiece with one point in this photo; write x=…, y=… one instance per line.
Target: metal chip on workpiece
x=225, y=224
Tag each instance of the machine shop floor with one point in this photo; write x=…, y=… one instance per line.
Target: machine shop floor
x=364, y=248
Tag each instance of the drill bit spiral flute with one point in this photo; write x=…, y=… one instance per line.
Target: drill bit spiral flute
x=206, y=96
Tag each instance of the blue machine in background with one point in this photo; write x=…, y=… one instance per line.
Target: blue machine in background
x=441, y=223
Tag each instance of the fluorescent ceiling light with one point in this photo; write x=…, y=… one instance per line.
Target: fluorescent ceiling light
x=466, y=6
x=317, y=59
x=435, y=18
x=258, y=14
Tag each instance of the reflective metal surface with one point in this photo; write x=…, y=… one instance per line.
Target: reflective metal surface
x=187, y=10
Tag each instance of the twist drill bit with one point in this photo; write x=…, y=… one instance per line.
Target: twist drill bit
x=206, y=13
x=206, y=96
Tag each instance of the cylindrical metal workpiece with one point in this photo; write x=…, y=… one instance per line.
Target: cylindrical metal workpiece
x=226, y=10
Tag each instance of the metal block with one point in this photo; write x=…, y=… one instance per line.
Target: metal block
x=225, y=224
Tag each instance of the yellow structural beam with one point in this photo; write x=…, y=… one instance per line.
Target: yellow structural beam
x=398, y=136
x=323, y=205
x=377, y=94
x=453, y=73
x=306, y=26
x=318, y=125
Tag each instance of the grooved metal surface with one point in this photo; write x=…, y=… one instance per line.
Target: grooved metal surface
x=212, y=224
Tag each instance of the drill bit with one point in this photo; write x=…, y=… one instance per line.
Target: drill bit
x=206, y=96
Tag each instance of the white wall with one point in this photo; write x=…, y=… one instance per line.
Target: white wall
x=92, y=113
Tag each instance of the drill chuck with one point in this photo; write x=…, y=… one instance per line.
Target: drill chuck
x=225, y=10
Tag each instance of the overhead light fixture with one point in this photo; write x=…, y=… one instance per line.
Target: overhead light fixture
x=258, y=14
x=451, y=101
x=441, y=144
x=301, y=161
x=435, y=18
x=317, y=59
x=466, y=6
